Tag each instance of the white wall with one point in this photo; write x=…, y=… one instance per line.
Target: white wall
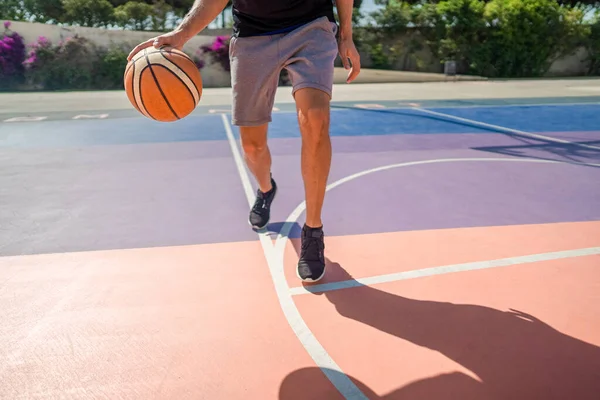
x=572, y=64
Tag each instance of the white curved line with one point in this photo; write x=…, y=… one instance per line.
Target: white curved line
x=294, y=215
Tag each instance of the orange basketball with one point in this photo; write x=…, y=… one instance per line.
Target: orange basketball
x=163, y=84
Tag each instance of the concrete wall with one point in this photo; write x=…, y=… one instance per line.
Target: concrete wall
x=572, y=64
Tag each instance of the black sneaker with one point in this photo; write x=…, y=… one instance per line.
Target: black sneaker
x=311, y=266
x=261, y=210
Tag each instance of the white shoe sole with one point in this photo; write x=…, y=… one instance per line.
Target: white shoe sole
x=309, y=279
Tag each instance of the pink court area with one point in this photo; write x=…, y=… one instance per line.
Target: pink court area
x=204, y=321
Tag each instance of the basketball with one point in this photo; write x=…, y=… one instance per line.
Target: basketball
x=163, y=84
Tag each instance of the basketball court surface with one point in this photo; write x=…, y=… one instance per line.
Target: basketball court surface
x=462, y=237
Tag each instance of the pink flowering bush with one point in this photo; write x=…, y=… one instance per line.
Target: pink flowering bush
x=75, y=63
x=42, y=46
x=78, y=64
x=12, y=56
x=217, y=52
x=66, y=65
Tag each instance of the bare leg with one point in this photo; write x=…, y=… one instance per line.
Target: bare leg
x=313, y=117
x=257, y=154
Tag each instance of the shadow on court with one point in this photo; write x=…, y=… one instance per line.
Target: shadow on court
x=526, y=146
x=275, y=227
x=515, y=355
x=549, y=151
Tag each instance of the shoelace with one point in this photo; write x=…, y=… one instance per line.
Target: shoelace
x=312, y=246
x=260, y=204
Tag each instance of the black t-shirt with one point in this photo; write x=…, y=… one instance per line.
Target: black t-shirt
x=258, y=17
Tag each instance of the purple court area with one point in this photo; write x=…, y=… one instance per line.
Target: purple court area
x=130, y=183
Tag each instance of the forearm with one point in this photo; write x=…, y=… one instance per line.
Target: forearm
x=202, y=13
x=344, y=10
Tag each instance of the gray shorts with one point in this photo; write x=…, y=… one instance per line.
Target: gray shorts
x=307, y=53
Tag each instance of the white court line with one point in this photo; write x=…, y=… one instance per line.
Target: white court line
x=370, y=106
x=593, y=103
x=283, y=234
x=318, y=353
x=91, y=116
x=504, y=129
x=26, y=119
x=446, y=269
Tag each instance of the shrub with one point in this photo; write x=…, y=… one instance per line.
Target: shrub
x=68, y=65
x=528, y=35
x=217, y=52
x=501, y=38
x=464, y=35
x=12, y=56
x=75, y=64
x=108, y=71
x=378, y=38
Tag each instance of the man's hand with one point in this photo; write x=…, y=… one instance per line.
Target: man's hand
x=350, y=58
x=174, y=39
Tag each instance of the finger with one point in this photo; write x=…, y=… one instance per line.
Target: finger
x=355, y=68
x=353, y=74
x=345, y=61
x=139, y=48
x=159, y=42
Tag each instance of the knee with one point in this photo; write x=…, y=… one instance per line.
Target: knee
x=314, y=122
x=254, y=140
x=253, y=148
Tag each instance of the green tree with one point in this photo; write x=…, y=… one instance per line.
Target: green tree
x=179, y=7
x=134, y=14
x=82, y=12
x=579, y=2
x=11, y=10
x=90, y=13
x=501, y=38
x=43, y=10
x=159, y=16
